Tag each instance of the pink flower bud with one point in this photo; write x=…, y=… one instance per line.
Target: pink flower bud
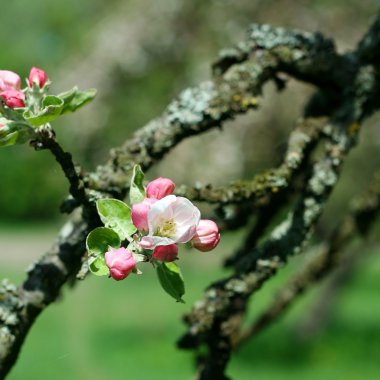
x=9, y=80
x=165, y=252
x=160, y=188
x=13, y=98
x=120, y=262
x=140, y=213
x=207, y=236
x=37, y=76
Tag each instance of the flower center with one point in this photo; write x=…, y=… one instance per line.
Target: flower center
x=166, y=228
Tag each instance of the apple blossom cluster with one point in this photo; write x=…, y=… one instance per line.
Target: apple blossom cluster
x=24, y=110
x=151, y=230
x=166, y=220
x=10, y=83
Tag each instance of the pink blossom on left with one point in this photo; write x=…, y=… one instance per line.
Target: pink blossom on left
x=9, y=80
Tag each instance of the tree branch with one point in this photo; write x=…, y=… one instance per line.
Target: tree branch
x=364, y=211
x=47, y=140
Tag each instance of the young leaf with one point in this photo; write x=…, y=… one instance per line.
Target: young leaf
x=51, y=109
x=9, y=139
x=14, y=132
x=99, y=239
x=171, y=280
x=98, y=266
x=137, y=191
x=74, y=99
x=116, y=214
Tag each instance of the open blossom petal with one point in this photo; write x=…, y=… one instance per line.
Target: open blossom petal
x=161, y=210
x=149, y=242
x=171, y=220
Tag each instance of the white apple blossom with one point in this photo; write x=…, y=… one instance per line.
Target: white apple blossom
x=171, y=220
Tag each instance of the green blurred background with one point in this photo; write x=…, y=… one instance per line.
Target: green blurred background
x=139, y=54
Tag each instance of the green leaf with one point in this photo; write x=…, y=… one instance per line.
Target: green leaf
x=51, y=108
x=99, y=239
x=74, y=99
x=14, y=132
x=116, y=214
x=98, y=266
x=171, y=280
x=9, y=139
x=137, y=191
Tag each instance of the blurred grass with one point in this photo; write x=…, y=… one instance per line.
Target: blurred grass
x=107, y=330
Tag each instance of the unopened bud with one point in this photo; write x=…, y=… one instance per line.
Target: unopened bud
x=37, y=76
x=207, y=236
x=160, y=188
x=120, y=263
x=165, y=252
x=13, y=98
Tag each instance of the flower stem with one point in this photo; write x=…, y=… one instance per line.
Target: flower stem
x=47, y=140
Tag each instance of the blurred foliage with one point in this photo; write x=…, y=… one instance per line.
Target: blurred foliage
x=139, y=55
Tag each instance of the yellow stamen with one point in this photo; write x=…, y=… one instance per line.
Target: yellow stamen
x=166, y=228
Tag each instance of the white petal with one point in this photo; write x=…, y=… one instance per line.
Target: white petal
x=162, y=209
x=187, y=217
x=185, y=234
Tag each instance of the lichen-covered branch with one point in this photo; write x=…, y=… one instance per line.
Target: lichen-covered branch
x=364, y=211
x=46, y=139
x=19, y=306
x=233, y=90
x=220, y=311
x=273, y=181
x=215, y=319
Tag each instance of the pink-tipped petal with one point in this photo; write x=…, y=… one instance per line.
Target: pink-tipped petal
x=140, y=213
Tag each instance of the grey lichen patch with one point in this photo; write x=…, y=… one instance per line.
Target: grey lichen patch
x=10, y=306
x=312, y=211
x=6, y=340
x=282, y=229
x=268, y=37
x=237, y=285
x=271, y=263
x=324, y=176
x=189, y=108
x=35, y=298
